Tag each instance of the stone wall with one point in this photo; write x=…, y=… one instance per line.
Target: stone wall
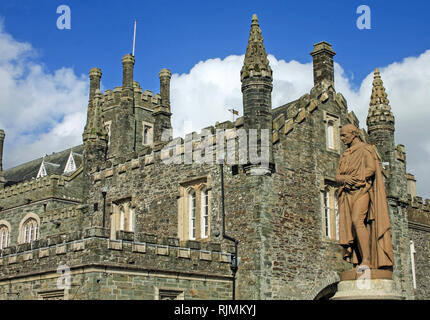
x=418, y=213
x=105, y=269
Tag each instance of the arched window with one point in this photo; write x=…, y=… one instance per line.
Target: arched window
x=30, y=230
x=332, y=124
x=147, y=133
x=204, y=213
x=4, y=236
x=194, y=207
x=192, y=214
x=330, y=211
x=122, y=217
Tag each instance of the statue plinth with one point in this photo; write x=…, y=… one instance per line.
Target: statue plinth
x=356, y=273
x=368, y=289
x=364, y=283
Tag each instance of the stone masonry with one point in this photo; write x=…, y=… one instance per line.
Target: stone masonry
x=119, y=221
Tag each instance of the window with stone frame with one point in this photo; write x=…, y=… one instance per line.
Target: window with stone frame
x=329, y=211
x=168, y=294
x=4, y=236
x=147, y=133
x=332, y=132
x=204, y=222
x=194, y=210
x=122, y=217
x=30, y=230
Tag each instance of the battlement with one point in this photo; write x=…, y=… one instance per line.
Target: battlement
x=301, y=109
x=419, y=210
x=93, y=247
x=145, y=99
x=305, y=106
x=45, y=184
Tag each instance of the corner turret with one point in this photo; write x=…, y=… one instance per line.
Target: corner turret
x=380, y=120
x=256, y=77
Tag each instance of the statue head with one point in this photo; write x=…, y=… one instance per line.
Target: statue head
x=348, y=133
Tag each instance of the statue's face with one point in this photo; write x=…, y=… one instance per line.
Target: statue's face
x=346, y=136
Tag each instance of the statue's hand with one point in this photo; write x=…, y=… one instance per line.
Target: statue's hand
x=340, y=178
x=350, y=180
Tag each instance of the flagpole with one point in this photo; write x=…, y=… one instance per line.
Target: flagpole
x=134, y=36
x=233, y=112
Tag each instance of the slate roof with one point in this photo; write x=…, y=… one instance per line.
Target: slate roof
x=54, y=164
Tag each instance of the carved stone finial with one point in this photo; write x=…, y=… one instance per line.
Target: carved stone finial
x=379, y=96
x=256, y=62
x=380, y=115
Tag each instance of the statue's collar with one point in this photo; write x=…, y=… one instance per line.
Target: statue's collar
x=354, y=147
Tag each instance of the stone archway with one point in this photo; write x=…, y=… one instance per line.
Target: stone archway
x=327, y=292
x=325, y=287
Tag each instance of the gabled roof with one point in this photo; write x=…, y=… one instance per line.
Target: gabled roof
x=54, y=164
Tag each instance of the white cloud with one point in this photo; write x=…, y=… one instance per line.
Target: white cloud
x=204, y=95
x=42, y=112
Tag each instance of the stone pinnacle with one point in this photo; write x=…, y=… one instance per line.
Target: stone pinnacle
x=380, y=115
x=256, y=62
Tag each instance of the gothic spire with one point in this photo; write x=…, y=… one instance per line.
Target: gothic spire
x=256, y=62
x=380, y=115
x=379, y=96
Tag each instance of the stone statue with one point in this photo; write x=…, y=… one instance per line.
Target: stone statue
x=364, y=223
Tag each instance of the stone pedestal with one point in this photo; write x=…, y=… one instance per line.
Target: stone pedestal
x=367, y=289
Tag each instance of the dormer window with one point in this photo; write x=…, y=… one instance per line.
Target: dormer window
x=42, y=171
x=71, y=164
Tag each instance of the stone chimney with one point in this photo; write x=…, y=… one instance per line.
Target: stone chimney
x=95, y=76
x=162, y=114
x=92, y=120
x=127, y=71
x=165, y=76
x=2, y=179
x=323, y=63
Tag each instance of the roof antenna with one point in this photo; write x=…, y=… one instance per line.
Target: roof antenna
x=134, y=37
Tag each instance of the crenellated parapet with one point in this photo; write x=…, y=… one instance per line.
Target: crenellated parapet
x=33, y=190
x=111, y=98
x=93, y=247
x=419, y=210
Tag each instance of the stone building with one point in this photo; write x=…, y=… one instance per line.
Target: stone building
x=126, y=216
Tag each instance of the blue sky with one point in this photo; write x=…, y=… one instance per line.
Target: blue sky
x=179, y=34
x=44, y=70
